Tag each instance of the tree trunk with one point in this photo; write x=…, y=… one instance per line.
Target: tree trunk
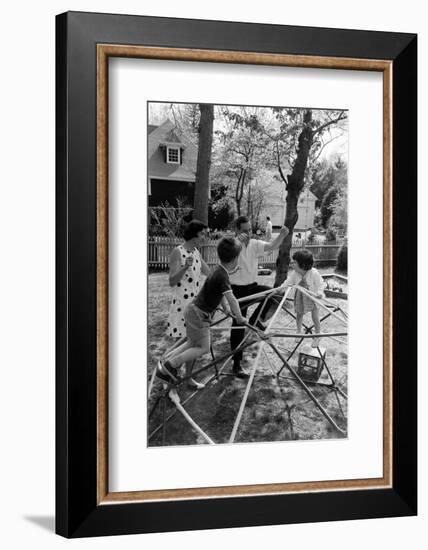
x=202, y=188
x=239, y=192
x=291, y=217
x=294, y=185
x=238, y=208
x=249, y=209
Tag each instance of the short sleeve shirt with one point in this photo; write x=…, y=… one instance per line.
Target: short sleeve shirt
x=312, y=278
x=215, y=286
x=248, y=264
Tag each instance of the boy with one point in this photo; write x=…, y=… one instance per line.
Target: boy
x=198, y=313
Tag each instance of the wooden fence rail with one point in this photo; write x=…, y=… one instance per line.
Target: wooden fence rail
x=160, y=249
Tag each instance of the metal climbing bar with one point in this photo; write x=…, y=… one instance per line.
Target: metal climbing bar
x=307, y=390
x=309, y=335
x=207, y=382
x=253, y=371
x=320, y=303
x=275, y=290
x=279, y=295
x=186, y=415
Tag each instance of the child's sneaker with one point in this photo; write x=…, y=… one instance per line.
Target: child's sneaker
x=192, y=384
x=165, y=371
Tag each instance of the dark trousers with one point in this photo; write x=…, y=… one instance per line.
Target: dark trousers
x=240, y=291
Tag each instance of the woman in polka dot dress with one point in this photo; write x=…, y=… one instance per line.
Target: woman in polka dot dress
x=185, y=269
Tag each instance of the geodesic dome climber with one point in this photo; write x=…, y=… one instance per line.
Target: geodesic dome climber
x=289, y=359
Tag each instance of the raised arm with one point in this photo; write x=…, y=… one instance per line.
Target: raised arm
x=204, y=268
x=291, y=280
x=176, y=270
x=319, y=285
x=225, y=305
x=276, y=243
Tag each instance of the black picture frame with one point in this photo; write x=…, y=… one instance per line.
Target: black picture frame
x=78, y=511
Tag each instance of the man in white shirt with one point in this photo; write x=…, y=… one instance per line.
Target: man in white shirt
x=244, y=281
x=268, y=233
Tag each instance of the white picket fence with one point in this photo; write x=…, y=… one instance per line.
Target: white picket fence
x=160, y=249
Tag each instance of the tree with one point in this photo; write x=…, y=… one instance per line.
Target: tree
x=327, y=205
x=256, y=200
x=202, y=185
x=342, y=259
x=339, y=219
x=298, y=135
x=186, y=117
x=242, y=153
x=322, y=180
x=219, y=212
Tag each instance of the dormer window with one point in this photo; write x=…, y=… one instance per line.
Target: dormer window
x=173, y=155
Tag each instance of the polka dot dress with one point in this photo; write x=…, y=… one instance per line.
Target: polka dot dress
x=183, y=293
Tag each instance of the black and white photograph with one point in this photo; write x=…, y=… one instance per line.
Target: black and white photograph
x=247, y=273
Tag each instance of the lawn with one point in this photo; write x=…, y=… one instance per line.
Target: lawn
x=277, y=409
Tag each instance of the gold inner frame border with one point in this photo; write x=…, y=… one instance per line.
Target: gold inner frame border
x=104, y=52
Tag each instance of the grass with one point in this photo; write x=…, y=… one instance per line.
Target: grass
x=277, y=409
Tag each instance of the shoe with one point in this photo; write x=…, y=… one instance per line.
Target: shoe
x=239, y=372
x=193, y=385
x=315, y=342
x=165, y=371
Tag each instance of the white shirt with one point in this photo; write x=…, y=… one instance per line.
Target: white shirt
x=312, y=277
x=248, y=264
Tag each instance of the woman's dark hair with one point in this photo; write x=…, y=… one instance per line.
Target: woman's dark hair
x=192, y=229
x=228, y=249
x=304, y=259
x=240, y=220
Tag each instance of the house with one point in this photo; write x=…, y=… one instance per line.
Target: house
x=306, y=210
x=172, y=160
x=275, y=206
x=171, y=165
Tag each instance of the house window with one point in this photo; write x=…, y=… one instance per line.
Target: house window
x=173, y=155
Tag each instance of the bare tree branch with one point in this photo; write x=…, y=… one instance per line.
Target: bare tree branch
x=342, y=116
x=324, y=144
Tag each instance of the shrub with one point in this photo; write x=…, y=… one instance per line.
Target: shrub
x=311, y=237
x=330, y=235
x=342, y=259
x=169, y=221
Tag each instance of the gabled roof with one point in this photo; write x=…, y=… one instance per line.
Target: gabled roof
x=307, y=194
x=159, y=136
